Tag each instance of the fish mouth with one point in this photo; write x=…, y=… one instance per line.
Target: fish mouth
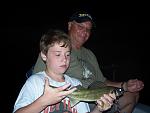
x=118, y=92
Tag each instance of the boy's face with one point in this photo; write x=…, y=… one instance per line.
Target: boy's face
x=57, y=59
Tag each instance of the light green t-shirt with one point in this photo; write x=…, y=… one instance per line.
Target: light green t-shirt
x=83, y=66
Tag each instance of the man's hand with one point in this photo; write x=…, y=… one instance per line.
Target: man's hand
x=133, y=85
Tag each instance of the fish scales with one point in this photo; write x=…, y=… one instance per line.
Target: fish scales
x=90, y=94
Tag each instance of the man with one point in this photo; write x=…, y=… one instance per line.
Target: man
x=84, y=65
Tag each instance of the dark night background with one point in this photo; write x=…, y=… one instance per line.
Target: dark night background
x=120, y=40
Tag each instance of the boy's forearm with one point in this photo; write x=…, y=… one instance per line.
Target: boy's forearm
x=35, y=107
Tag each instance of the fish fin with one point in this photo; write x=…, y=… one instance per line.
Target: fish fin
x=73, y=102
x=97, y=84
x=79, y=87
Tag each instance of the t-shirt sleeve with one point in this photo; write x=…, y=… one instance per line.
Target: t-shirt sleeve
x=29, y=92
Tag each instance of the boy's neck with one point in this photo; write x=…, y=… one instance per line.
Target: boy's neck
x=56, y=77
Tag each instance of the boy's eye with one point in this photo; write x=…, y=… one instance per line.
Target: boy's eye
x=68, y=54
x=57, y=54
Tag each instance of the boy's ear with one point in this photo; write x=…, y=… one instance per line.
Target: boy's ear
x=43, y=56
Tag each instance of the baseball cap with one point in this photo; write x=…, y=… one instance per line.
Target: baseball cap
x=82, y=16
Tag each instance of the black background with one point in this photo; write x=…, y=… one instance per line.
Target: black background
x=120, y=40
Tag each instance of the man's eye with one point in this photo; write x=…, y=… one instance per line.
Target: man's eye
x=80, y=27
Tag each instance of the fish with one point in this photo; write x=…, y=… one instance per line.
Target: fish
x=92, y=94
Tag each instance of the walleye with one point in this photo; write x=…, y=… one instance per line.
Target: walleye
x=91, y=95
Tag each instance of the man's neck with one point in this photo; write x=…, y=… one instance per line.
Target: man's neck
x=76, y=46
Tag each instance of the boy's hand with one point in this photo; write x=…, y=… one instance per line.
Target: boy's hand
x=55, y=95
x=105, y=102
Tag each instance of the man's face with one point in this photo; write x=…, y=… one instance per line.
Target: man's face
x=79, y=32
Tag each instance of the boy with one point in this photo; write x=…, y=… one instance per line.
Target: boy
x=37, y=95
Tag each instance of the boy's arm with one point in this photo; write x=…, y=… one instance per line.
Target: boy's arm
x=50, y=96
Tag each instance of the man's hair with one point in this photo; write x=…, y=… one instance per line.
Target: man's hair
x=52, y=37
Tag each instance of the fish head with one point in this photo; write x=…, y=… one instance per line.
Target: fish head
x=118, y=92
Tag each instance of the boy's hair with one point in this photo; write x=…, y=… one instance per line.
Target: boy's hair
x=52, y=37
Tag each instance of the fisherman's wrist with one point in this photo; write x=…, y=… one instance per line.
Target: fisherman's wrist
x=124, y=86
x=99, y=109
